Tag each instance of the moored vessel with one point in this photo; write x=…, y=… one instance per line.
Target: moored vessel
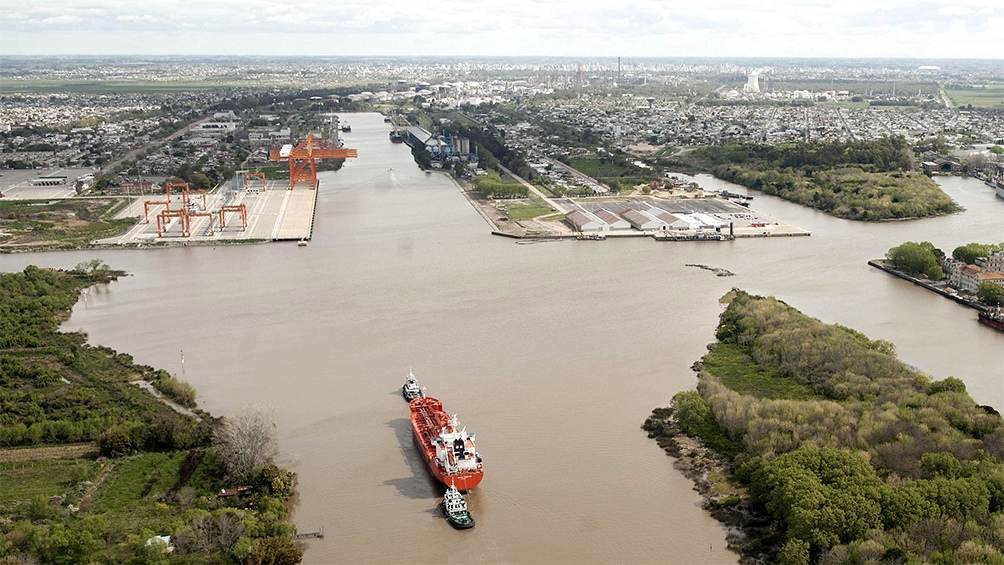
x=993, y=318
x=447, y=447
x=410, y=390
x=455, y=509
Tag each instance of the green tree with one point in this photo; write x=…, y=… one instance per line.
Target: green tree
x=970, y=251
x=274, y=551
x=93, y=269
x=990, y=293
x=794, y=552
x=916, y=258
x=824, y=496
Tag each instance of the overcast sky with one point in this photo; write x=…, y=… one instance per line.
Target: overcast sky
x=926, y=29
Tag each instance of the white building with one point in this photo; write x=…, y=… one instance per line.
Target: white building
x=680, y=221
x=995, y=262
x=215, y=128
x=642, y=220
x=585, y=222
x=612, y=220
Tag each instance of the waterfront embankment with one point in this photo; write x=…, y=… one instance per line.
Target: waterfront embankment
x=940, y=287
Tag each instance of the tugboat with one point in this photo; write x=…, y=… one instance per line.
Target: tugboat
x=455, y=509
x=410, y=390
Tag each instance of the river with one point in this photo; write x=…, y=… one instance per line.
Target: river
x=553, y=354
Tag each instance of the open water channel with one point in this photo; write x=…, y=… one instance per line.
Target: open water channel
x=553, y=354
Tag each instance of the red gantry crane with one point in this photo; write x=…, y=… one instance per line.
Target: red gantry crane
x=249, y=176
x=301, y=158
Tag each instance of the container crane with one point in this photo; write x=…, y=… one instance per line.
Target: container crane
x=301, y=158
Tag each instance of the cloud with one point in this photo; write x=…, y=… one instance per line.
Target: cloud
x=955, y=11
x=541, y=27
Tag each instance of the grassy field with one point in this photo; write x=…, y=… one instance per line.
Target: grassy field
x=990, y=97
x=536, y=207
x=63, y=224
x=598, y=168
x=736, y=370
x=24, y=481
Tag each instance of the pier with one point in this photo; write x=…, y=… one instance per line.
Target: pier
x=318, y=534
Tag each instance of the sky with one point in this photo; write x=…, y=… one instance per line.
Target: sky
x=924, y=29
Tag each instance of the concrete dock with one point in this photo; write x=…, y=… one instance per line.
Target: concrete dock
x=273, y=214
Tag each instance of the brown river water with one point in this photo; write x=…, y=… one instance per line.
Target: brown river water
x=553, y=354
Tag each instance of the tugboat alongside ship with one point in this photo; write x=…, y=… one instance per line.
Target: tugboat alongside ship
x=410, y=390
x=448, y=450
x=455, y=509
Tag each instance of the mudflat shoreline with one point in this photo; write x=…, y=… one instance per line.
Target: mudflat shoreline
x=751, y=532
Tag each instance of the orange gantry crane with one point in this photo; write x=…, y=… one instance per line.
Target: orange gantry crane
x=249, y=176
x=185, y=214
x=240, y=209
x=165, y=203
x=301, y=158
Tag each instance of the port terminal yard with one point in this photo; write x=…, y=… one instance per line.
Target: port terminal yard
x=265, y=210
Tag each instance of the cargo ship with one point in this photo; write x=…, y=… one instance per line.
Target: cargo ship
x=448, y=449
x=993, y=318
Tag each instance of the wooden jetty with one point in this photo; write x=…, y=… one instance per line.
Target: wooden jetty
x=317, y=534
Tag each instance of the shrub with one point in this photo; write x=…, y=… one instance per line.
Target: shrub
x=115, y=442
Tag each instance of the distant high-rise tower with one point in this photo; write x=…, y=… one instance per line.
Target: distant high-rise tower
x=753, y=83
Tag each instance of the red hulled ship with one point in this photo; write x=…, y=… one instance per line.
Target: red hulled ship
x=993, y=318
x=448, y=448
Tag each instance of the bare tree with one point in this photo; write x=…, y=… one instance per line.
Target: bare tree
x=247, y=440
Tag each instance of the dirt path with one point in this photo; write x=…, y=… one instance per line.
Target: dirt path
x=105, y=471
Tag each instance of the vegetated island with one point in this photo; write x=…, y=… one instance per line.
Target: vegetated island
x=819, y=446
x=855, y=180
x=94, y=468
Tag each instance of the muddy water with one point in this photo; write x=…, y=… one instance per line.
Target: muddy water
x=553, y=354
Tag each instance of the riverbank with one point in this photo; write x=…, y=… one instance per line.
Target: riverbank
x=95, y=460
x=939, y=287
x=749, y=531
x=735, y=221
x=163, y=244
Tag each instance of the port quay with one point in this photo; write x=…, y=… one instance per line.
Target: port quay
x=272, y=212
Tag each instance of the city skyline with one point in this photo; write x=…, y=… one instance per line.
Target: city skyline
x=789, y=28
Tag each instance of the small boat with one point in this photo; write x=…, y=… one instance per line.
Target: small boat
x=302, y=243
x=455, y=509
x=410, y=390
